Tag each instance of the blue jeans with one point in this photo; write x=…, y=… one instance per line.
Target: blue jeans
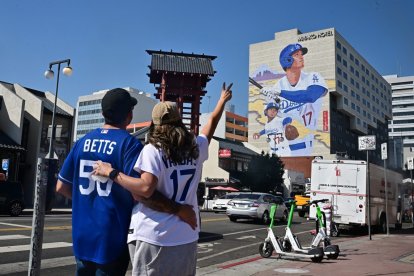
x=116, y=268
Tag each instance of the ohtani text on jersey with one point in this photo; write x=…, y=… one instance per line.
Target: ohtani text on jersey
x=169, y=163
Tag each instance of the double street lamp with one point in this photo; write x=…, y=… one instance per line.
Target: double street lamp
x=49, y=74
x=45, y=176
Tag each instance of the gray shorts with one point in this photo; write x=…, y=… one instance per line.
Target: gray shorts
x=149, y=259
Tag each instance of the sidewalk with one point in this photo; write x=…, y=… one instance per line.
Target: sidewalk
x=383, y=255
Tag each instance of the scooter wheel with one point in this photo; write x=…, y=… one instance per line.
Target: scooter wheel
x=265, y=249
x=333, y=256
x=317, y=259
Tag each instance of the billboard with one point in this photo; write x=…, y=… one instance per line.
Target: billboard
x=288, y=101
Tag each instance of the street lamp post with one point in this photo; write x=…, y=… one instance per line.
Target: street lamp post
x=49, y=74
x=45, y=174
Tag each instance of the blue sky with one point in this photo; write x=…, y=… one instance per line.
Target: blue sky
x=106, y=40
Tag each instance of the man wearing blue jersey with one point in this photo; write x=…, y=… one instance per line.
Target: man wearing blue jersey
x=101, y=210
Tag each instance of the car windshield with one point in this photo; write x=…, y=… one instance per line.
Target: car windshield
x=248, y=196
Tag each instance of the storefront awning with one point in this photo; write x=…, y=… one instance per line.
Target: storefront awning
x=6, y=143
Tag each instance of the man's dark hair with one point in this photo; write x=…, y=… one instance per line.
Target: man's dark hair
x=116, y=104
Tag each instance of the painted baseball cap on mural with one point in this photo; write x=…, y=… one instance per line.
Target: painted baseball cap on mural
x=165, y=113
x=271, y=105
x=285, y=57
x=116, y=104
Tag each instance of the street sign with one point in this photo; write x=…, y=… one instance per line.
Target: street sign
x=5, y=164
x=384, y=153
x=366, y=142
x=410, y=164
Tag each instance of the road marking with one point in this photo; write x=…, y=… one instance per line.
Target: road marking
x=13, y=237
x=227, y=251
x=46, y=263
x=216, y=219
x=18, y=225
x=246, y=237
x=46, y=228
x=17, y=248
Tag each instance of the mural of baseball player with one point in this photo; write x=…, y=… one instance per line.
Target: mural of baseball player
x=275, y=130
x=300, y=95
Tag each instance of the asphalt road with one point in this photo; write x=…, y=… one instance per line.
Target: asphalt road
x=220, y=241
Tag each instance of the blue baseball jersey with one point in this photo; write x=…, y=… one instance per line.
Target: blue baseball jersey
x=101, y=212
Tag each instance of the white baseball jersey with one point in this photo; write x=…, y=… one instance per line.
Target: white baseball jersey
x=178, y=182
x=300, y=105
x=275, y=132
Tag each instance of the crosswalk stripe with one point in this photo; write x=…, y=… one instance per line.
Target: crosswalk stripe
x=16, y=248
x=13, y=237
x=18, y=225
x=46, y=263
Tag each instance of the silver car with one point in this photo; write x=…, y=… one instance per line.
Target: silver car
x=220, y=204
x=256, y=206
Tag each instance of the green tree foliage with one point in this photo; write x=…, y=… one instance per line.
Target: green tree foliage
x=265, y=174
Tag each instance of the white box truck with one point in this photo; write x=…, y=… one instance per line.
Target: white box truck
x=344, y=183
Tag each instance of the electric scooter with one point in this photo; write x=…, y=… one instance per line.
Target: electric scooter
x=291, y=242
x=274, y=243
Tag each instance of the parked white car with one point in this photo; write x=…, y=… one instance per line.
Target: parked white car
x=220, y=204
x=256, y=206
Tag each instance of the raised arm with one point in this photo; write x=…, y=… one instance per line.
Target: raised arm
x=210, y=127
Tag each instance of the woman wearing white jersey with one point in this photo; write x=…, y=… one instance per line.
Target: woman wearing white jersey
x=171, y=162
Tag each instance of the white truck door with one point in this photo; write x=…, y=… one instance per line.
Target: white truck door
x=349, y=197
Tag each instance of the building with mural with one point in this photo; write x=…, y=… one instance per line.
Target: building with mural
x=312, y=94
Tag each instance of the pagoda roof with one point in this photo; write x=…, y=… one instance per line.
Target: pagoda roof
x=181, y=62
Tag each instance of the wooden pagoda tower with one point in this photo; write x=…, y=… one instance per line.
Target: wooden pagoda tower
x=182, y=78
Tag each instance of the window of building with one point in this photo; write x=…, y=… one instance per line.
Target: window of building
x=338, y=58
x=358, y=109
x=353, y=106
x=357, y=73
x=356, y=61
x=339, y=83
x=344, y=50
x=345, y=63
x=352, y=81
x=338, y=44
x=358, y=97
x=351, y=56
x=339, y=71
x=357, y=84
x=345, y=75
x=352, y=93
x=345, y=88
x=345, y=101
x=362, y=67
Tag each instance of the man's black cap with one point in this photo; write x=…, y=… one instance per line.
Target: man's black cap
x=116, y=104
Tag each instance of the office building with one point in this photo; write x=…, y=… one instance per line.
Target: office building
x=231, y=126
x=401, y=126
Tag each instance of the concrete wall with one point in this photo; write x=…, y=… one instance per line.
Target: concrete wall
x=211, y=166
x=34, y=114
x=11, y=114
